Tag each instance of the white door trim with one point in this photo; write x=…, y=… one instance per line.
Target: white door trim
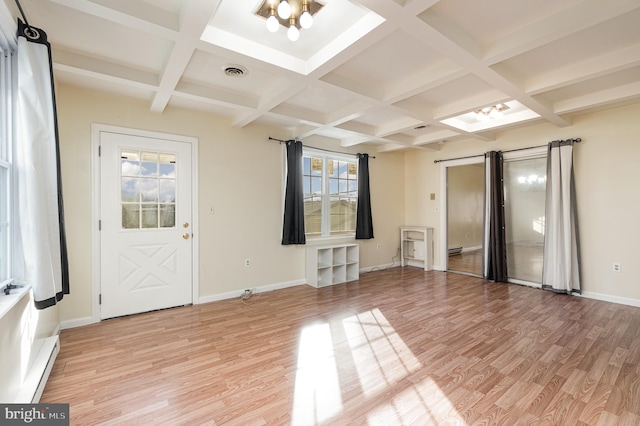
x=444, y=248
x=96, y=130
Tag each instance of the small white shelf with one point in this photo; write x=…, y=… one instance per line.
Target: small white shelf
x=416, y=247
x=335, y=264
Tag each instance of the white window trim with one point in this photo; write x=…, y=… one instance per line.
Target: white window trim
x=326, y=219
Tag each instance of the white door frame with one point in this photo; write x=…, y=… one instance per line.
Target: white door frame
x=96, y=129
x=444, y=249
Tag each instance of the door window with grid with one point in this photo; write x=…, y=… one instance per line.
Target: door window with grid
x=148, y=182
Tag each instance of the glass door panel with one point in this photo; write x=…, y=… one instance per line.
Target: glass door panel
x=525, y=188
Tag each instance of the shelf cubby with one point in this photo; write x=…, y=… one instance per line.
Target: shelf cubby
x=335, y=264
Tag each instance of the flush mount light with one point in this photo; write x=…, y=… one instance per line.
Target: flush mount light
x=291, y=14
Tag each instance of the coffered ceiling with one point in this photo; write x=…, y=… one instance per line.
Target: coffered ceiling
x=389, y=73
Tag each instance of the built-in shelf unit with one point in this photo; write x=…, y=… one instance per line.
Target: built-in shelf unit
x=416, y=247
x=335, y=264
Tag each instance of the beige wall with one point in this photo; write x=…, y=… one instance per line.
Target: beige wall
x=240, y=173
x=607, y=176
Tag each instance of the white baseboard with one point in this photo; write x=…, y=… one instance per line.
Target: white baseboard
x=39, y=371
x=261, y=289
x=78, y=322
x=608, y=298
x=467, y=249
x=379, y=267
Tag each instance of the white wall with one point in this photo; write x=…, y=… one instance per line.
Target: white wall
x=607, y=176
x=22, y=331
x=240, y=174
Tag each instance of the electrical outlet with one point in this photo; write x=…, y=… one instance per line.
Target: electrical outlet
x=617, y=267
x=378, y=246
x=247, y=263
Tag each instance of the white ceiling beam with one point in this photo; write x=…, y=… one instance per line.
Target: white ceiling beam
x=436, y=137
x=591, y=68
x=576, y=18
x=213, y=95
x=595, y=99
x=195, y=16
x=103, y=70
x=450, y=42
x=137, y=15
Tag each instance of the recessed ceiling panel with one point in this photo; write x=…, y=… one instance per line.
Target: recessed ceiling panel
x=487, y=22
x=379, y=117
x=323, y=100
x=394, y=58
x=101, y=38
x=235, y=26
x=209, y=70
x=598, y=40
x=454, y=91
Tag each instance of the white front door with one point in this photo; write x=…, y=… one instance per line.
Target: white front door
x=146, y=220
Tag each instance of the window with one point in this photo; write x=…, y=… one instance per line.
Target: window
x=5, y=165
x=330, y=193
x=148, y=194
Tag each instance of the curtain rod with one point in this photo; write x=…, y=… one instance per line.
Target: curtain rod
x=319, y=149
x=23, y=15
x=577, y=140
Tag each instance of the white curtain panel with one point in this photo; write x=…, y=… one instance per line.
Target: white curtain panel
x=561, y=266
x=37, y=172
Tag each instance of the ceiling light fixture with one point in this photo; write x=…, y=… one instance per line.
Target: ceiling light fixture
x=291, y=14
x=491, y=112
x=284, y=9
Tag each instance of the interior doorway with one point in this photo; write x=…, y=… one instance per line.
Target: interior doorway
x=464, y=213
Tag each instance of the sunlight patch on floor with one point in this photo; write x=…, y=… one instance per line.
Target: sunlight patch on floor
x=317, y=394
x=382, y=362
x=380, y=355
x=423, y=403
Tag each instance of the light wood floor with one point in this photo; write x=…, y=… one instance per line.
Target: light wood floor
x=469, y=261
x=397, y=347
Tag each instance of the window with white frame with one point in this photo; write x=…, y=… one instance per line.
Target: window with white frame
x=5, y=164
x=330, y=193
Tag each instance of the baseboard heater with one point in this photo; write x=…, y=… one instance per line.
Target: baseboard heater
x=455, y=250
x=36, y=380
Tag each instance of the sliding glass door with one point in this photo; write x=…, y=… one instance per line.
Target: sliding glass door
x=525, y=187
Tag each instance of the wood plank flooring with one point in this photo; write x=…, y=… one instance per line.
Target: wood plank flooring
x=469, y=261
x=397, y=347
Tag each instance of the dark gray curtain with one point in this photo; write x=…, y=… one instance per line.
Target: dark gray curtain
x=364, y=222
x=495, y=246
x=561, y=261
x=42, y=228
x=293, y=224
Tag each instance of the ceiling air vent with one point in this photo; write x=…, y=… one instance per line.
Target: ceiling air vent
x=236, y=71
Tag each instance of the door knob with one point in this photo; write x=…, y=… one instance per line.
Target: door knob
x=185, y=236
